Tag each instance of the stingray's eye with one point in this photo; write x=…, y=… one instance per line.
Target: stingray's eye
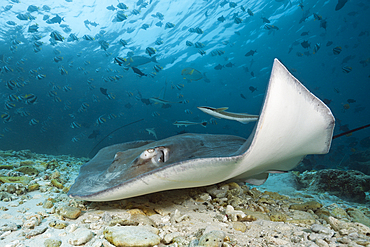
x=147, y=154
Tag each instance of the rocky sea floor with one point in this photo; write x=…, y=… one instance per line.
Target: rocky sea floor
x=35, y=210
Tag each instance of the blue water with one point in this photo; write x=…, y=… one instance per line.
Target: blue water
x=323, y=72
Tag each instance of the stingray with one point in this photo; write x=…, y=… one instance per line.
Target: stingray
x=292, y=123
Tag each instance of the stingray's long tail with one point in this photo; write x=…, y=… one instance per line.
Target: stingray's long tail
x=350, y=131
x=113, y=132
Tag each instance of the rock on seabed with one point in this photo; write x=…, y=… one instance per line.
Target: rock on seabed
x=132, y=236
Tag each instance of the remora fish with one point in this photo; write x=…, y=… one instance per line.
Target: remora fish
x=161, y=101
x=221, y=113
x=187, y=123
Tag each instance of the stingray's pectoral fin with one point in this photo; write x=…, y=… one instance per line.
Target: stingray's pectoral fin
x=293, y=123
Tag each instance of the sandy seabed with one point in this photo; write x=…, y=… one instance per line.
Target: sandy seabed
x=36, y=211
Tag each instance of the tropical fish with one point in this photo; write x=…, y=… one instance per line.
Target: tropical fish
x=305, y=44
x=88, y=37
x=135, y=12
x=30, y=99
x=265, y=20
x=40, y=76
x=56, y=19
x=250, y=12
x=111, y=7
x=33, y=122
x=100, y=120
x=201, y=52
x=217, y=52
x=347, y=69
x=159, y=24
x=83, y=107
x=187, y=123
x=122, y=6
x=337, y=50
x=169, y=25
x=316, y=48
x=12, y=23
x=6, y=117
x=150, y=51
x=10, y=84
x=199, y=45
x=327, y=101
x=157, y=67
x=138, y=72
x=238, y=20
x=229, y=65
x=252, y=89
x=104, y=91
x=221, y=18
x=232, y=4
x=52, y=94
x=188, y=43
x=75, y=139
x=67, y=88
x=62, y=71
x=55, y=35
x=323, y=24
x=144, y=26
x=23, y=17
x=119, y=60
x=159, y=15
x=38, y=43
x=271, y=27
x=221, y=113
x=8, y=106
x=317, y=17
x=191, y=74
x=104, y=45
x=178, y=86
x=218, y=67
x=305, y=33
x=151, y=131
x=57, y=59
x=94, y=134
x=159, y=41
x=75, y=125
x=250, y=53
x=123, y=42
x=196, y=30
x=13, y=97
x=33, y=28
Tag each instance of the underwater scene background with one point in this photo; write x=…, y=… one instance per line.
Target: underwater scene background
x=74, y=71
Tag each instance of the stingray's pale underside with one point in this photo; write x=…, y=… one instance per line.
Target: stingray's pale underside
x=292, y=124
